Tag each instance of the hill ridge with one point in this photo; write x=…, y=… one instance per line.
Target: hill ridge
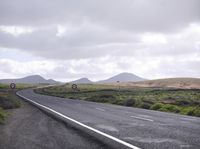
x=32, y=79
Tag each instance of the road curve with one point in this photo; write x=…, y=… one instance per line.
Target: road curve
x=142, y=128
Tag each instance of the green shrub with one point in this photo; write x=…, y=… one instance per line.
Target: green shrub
x=102, y=98
x=148, y=101
x=193, y=111
x=2, y=115
x=190, y=112
x=107, y=96
x=118, y=101
x=129, y=102
x=4, y=86
x=156, y=106
x=9, y=102
x=183, y=102
x=145, y=105
x=197, y=112
x=170, y=108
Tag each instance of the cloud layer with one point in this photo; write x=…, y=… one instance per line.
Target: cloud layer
x=156, y=38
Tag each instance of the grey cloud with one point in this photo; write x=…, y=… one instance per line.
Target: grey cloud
x=93, y=40
x=95, y=28
x=135, y=15
x=102, y=38
x=5, y=67
x=178, y=67
x=81, y=43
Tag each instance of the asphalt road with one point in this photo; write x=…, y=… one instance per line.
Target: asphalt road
x=142, y=128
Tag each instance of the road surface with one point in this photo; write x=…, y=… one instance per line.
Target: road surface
x=142, y=128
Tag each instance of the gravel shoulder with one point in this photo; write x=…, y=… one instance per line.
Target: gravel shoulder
x=28, y=127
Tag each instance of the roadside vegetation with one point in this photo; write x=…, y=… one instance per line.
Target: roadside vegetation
x=8, y=99
x=182, y=101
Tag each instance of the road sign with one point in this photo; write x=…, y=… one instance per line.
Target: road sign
x=12, y=85
x=74, y=87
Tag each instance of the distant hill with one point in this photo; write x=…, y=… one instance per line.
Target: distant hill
x=33, y=79
x=82, y=81
x=123, y=77
x=184, y=83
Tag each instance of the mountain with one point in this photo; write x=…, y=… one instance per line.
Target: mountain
x=82, y=81
x=123, y=77
x=33, y=79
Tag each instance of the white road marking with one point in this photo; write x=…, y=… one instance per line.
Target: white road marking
x=185, y=146
x=83, y=125
x=142, y=115
x=100, y=109
x=163, y=124
x=141, y=118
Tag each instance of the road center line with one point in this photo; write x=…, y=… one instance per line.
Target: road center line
x=185, y=146
x=100, y=109
x=81, y=124
x=141, y=118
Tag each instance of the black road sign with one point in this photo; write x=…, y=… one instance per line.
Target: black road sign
x=12, y=85
x=74, y=86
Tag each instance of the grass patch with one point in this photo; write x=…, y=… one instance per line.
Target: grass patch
x=157, y=106
x=8, y=99
x=183, y=101
x=2, y=115
x=170, y=108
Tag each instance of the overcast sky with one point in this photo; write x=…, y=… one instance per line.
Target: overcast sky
x=69, y=39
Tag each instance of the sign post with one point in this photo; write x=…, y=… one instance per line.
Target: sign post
x=118, y=85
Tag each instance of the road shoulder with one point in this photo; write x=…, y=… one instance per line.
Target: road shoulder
x=28, y=127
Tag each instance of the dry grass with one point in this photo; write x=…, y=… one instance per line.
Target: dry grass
x=8, y=99
x=181, y=83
